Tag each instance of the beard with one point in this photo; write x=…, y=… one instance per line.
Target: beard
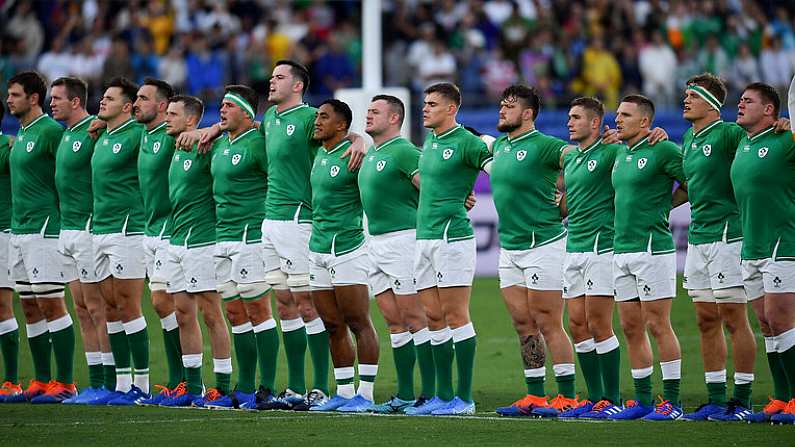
x=146, y=119
x=508, y=127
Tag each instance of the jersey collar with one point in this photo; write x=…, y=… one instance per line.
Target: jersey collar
x=764, y=132
x=82, y=122
x=157, y=128
x=639, y=143
x=30, y=124
x=709, y=127
x=388, y=142
x=527, y=134
x=337, y=147
x=447, y=132
x=290, y=110
x=237, y=138
x=591, y=146
x=126, y=124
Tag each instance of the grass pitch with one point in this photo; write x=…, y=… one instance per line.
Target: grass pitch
x=498, y=381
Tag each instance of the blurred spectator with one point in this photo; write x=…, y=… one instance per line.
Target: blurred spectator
x=744, y=70
x=27, y=29
x=534, y=62
x=173, y=68
x=498, y=74
x=515, y=31
x=144, y=62
x=776, y=66
x=712, y=57
x=333, y=68
x=160, y=24
x=657, y=63
x=440, y=66
x=118, y=62
x=205, y=68
x=600, y=75
x=55, y=63
x=630, y=69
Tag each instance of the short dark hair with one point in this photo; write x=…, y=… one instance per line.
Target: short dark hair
x=711, y=83
x=193, y=105
x=75, y=88
x=31, y=82
x=590, y=104
x=644, y=104
x=527, y=95
x=768, y=93
x=245, y=92
x=298, y=71
x=395, y=104
x=341, y=109
x=163, y=88
x=128, y=88
x=447, y=90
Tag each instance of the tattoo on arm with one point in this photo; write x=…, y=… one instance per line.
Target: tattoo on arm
x=533, y=351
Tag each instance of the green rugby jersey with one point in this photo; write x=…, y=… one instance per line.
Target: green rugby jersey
x=73, y=175
x=291, y=152
x=389, y=198
x=34, y=199
x=118, y=207
x=449, y=166
x=590, y=197
x=523, y=184
x=707, y=159
x=337, y=218
x=763, y=176
x=5, y=183
x=643, y=178
x=190, y=186
x=154, y=158
x=240, y=182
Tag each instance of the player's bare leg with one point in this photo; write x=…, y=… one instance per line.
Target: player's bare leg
x=658, y=320
x=340, y=342
x=633, y=323
x=546, y=307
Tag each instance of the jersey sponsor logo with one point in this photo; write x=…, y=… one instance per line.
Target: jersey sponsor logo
x=746, y=148
x=380, y=165
x=334, y=171
x=520, y=155
x=117, y=148
x=226, y=151
x=290, y=129
x=578, y=160
x=176, y=156
x=447, y=153
x=29, y=146
x=105, y=142
x=186, y=164
x=76, y=146
x=642, y=163
x=156, y=147
x=762, y=152
x=146, y=139
x=67, y=138
x=235, y=159
x=707, y=150
x=591, y=165
x=434, y=145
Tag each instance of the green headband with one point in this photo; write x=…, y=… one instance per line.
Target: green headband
x=704, y=93
x=237, y=99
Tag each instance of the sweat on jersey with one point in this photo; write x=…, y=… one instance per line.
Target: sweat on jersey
x=73, y=175
x=154, y=158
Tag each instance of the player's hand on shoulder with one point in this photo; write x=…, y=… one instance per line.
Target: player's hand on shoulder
x=657, y=134
x=781, y=125
x=187, y=139
x=356, y=151
x=610, y=136
x=96, y=127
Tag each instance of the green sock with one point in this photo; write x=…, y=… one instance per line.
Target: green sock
x=427, y=369
x=139, y=347
x=268, y=354
x=643, y=391
x=671, y=391
x=610, y=365
x=194, y=380
x=780, y=383
x=40, y=349
x=787, y=359
x=443, y=360
x=109, y=370
x=63, y=345
x=404, y=357
x=295, y=350
x=320, y=353
x=742, y=393
x=120, y=346
x=566, y=385
x=535, y=385
x=246, y=353
x=9, y=345
x=589, y=364
x=716, y=392
x=173, y=351
x=96, y=376
x=465, y=361
x=223, y=382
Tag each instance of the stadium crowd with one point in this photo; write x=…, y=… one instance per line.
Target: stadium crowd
x=566, y=48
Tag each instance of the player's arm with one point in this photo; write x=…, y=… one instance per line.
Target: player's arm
x=791, y=100
x=356, y=151
x=679, y=195
x=202, y=138
x=610, y=136
x=781, y=125
x=96, y=128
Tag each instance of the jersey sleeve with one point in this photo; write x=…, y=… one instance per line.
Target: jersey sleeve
x=732, y=135
x=672, y=163
x=553, y=149
x=476, y=153
x=408, y=161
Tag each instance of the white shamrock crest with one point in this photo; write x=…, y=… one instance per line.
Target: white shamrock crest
x=235, y=159
x=591, y=165
x=641, y=163
x=116, y=148
x=156, y=147
x=447, y=153
x=334, y=171
x=76, y=146
x=186, y=164
x=29, y=146
x=290, y=129
x=380, y=165
x=520, y=155
x=762, y=152
x=707, y=149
